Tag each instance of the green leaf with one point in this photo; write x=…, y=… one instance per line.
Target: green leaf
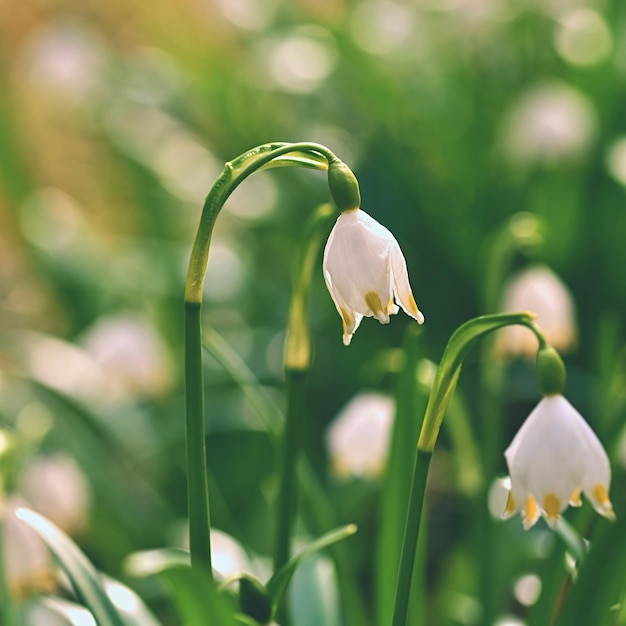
x=599, y=588
x=86, y=581
x=193, y=592
x=277, y=584
x=131, y=607
x=49, y=609
x=254, y=600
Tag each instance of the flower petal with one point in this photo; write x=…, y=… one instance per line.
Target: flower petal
x=402, y=287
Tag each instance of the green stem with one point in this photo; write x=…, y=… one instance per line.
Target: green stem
x=446, y=378
x=197, y=479
x=289, y=449
x=268, y=155
x=411, y=536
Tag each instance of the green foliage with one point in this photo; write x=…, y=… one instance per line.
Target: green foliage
x=484, y=135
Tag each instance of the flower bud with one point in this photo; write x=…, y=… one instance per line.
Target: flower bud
x=344, y=186
x=550, y=371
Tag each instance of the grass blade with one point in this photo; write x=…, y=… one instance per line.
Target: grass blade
x=83, y=576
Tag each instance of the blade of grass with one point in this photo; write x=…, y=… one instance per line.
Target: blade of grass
x=277, y=584
x=83, y=576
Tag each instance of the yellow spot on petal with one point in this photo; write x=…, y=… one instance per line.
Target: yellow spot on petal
x=531, y=512
x=510, y=506
x=348, y=326
x=347, y=319
x=552, y=508
x=373, y=301
x=601, y=497
x=413, y=305
x=574, y=499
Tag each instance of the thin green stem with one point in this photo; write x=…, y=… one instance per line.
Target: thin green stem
x=289, y=448
x=268, y=155
x=446, y=378
x=234, y=173
x=197, y=479
x=411, y=536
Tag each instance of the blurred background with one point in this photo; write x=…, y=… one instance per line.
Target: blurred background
x=487, y=135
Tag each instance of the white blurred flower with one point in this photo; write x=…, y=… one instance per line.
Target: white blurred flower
x=227, y=555
x=554, y=457
x=27, y=562
x=130, y=353
x=358, y=438
x=539, y=290
x=56, y=487
x=551, y=122
x=365, y=270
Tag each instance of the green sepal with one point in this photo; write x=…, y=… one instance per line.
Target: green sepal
x=344, y=186
x=551, y=374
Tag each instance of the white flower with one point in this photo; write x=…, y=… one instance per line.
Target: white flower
x=550, y=123
x=553, y=458
x=365, y=271
x=539, y=290
x=358, y=438
x=56, y=487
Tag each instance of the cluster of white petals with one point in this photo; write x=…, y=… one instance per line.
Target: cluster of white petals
x=358, y=437
x=538, y=289
x=365, y=272
x=553, y=458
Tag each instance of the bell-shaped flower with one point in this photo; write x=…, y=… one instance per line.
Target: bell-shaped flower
x=538, y=289
x=554, y=457
x=365, y=272
x=358, y=438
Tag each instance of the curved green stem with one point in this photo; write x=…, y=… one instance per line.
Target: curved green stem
x=235, y=172
x=305, y=154
x=449, y=369
x=460, y=343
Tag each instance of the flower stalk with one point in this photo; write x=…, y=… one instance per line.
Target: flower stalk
x=446, y=378
x=309, y=155
x=298, y=354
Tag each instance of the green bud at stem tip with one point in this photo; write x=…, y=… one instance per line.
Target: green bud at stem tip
x=344, y=186
x=550, y=371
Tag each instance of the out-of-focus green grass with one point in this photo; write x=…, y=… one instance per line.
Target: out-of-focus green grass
x=114, y=121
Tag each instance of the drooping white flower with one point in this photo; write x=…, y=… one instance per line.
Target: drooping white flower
x=554, y=457
x=358, y=438
x=539, y=290
x=365, y=272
